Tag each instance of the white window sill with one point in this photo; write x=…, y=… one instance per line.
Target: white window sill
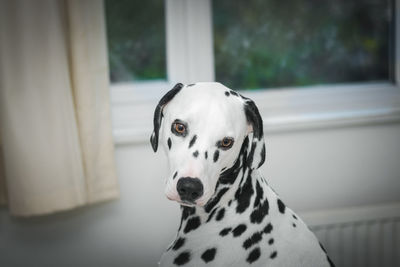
x=285, y=109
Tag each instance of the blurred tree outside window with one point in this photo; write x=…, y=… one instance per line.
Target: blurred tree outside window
x=136, y=40
x=273, y=43
x=261, y=43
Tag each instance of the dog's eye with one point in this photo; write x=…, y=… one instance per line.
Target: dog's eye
x=226, y=143
x=179, y=128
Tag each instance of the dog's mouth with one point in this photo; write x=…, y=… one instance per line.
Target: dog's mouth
x=184, y=202
x=198, y=202
x=187, y=203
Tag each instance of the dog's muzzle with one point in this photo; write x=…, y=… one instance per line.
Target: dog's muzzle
x=189, y=189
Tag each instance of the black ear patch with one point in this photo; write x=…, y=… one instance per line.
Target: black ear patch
x=256, y=157
x=254, y=118
x=158, y=114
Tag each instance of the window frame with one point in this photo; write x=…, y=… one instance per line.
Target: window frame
x=190, y=58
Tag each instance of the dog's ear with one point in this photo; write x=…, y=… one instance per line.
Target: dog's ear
x=256, y=156
x=158, y=115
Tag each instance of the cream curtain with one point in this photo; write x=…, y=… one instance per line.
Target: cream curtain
x=54, y=106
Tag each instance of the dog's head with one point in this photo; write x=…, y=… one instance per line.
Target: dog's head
x=202, y=128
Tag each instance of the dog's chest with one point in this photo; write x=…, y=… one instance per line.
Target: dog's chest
x=218, y=246
x=228, y=238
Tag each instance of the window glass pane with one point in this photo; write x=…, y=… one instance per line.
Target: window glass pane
x=136, y=39
x=272, y=43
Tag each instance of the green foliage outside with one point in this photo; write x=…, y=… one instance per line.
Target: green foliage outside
x=136, y=39
x=273, y=43
x=261, y=43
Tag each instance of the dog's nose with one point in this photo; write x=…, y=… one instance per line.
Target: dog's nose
x=189, y=189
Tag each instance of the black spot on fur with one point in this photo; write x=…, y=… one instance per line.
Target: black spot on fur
x=196, y=154
x=214, y=201
x=220, y=214
x=182, y=258
x=262, y=156
x=271, y=241
x=205, y=155
x=251, y=154
x=229, y=203
x=254, y=255
x=227, y=93
x=175, y=174
x=268, y=228
x=294, y=216
x=229, y=176
x=211, y=214
x=233, y=93
x=260, y=212
x=259, y=194
x=254, y=239
x=192, y=224
x=169, y=143
x=187, y=211
x=225, y=231
x=193, y=141
x=239, y=230
x=179, y=243
x=294, y=225
x=243, y=195
x=216, y=155
x=192, y=84
x=273, y=255
x=281, y=206
x=209, y=255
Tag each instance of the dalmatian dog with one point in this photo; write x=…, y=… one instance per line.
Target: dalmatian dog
x=213, y=138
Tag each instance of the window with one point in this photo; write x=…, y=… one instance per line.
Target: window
x=136, y=40
x=341, y=54
x=270, y=43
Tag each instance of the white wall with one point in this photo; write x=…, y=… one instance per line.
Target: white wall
x=311, y=170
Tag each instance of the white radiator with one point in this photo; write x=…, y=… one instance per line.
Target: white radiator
x=360, y=236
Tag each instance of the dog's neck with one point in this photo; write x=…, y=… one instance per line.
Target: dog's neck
x=239, y=188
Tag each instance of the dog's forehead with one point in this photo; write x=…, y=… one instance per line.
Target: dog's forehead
x=212, y=89
x=207, y=103
x=205, y=98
